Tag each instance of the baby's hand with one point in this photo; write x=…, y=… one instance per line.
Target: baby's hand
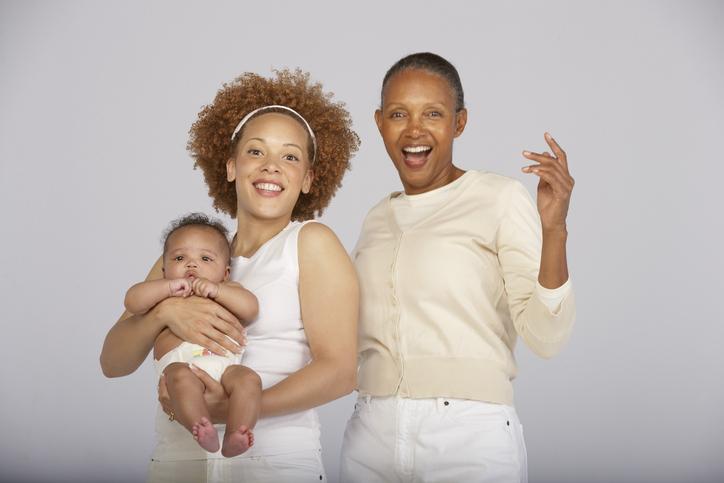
x=179, y=287
x=203, y=287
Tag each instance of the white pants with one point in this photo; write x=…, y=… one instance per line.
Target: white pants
x=394, y=439
x=304, y=466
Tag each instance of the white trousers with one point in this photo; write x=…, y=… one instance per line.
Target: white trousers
x=304, y=466
x=394, y=439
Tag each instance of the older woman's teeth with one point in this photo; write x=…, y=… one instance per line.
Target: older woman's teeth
x=416, y=150
x=268, y=187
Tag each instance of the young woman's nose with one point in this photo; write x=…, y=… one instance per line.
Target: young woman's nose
x=270, y=164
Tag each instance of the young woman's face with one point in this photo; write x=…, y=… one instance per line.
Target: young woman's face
x=418, y=124
x=271, y=167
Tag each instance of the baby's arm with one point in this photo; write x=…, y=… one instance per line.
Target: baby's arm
x=230, y=295
x=143, y=296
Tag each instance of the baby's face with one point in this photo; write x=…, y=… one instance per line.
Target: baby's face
x=196, y=252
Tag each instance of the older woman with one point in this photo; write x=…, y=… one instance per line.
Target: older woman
x=451, y=271
x=273, y=152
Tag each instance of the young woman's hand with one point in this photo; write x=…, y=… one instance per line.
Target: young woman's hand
x=215, y=396
x=201, y=321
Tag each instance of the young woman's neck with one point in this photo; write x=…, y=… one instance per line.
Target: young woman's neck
x=252, y=233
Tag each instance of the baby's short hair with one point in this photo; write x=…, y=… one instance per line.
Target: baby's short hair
x=199, y=220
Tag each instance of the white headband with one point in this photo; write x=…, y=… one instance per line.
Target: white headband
x=248, y=116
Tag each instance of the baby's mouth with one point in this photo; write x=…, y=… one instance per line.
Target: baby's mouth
x=191, y=276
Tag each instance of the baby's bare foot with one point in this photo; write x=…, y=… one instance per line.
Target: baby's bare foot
x=237, y=442
x=206, y=435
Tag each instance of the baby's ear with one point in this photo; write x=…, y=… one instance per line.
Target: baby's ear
x=227, y=274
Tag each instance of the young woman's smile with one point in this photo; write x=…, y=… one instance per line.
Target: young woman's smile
x=418, y=123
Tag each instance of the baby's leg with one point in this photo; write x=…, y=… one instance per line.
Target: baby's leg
x=187, y=397
x=244, y=389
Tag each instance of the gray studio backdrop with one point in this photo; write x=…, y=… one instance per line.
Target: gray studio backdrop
x=96, y=100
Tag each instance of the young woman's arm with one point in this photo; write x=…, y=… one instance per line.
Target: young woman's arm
x=194, y=319
x=329, y=298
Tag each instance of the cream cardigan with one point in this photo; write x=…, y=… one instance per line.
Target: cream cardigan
x=442, y=303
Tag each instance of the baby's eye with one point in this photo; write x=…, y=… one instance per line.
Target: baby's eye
x=206, y=259
x=179, y=258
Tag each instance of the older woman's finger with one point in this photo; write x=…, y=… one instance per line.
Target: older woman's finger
x=559, y=153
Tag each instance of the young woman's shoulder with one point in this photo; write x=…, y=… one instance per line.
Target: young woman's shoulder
x=316, y=237
x=323, y=261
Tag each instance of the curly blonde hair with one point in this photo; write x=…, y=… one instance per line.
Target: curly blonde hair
x=211, y=146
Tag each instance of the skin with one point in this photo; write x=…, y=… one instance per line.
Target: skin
x=196, y=263
x=418, y=110
x=271, y=153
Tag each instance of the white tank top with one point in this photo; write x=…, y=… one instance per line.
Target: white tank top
x=277, y=347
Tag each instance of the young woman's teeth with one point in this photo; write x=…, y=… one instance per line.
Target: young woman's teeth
x=268, y=187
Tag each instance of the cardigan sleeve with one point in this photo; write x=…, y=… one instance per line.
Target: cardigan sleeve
x=543, y=330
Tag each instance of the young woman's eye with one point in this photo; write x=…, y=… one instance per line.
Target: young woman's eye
x=255, y=152
x=206, y=259
x=291, y=157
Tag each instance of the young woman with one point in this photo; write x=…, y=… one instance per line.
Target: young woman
x=273, y=152
x=451, y=272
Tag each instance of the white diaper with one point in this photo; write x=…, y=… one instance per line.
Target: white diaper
x=213, y=364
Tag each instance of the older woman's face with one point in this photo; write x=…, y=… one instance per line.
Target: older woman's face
x=271, y=166
x=418, y=124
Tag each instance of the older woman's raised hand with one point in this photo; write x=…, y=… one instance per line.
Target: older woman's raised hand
x=555, y=185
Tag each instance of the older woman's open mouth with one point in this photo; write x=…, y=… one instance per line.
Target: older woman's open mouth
x=415, y=156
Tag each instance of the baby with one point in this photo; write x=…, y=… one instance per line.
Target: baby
x=196, y=261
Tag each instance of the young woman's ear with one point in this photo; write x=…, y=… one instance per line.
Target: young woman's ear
x=230, y=170
x=307, y=183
